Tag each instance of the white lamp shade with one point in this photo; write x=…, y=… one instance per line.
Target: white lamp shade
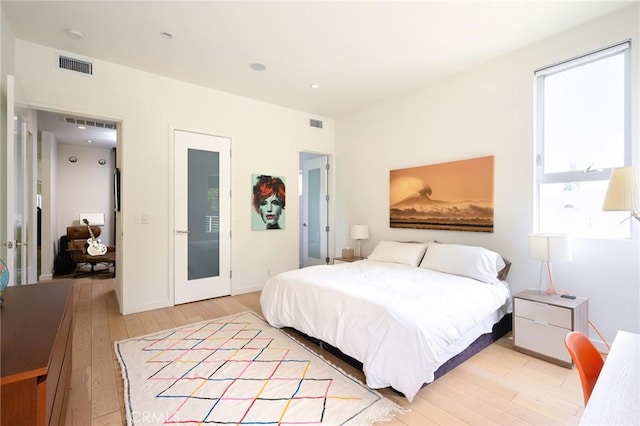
x=359, y=232
x=623, y=193
x=549, y=247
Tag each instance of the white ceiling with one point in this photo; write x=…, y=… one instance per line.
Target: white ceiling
x=69, y=133
x=358, y=52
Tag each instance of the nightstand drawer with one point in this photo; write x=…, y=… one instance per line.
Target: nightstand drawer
x=543, y=313
x=541, y=338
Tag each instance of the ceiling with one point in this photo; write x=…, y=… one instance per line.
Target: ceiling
x=358, y=52
x=65, y=127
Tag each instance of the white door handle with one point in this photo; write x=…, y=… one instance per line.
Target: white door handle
x=181, y=232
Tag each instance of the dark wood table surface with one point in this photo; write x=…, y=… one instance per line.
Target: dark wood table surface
x=38, y=309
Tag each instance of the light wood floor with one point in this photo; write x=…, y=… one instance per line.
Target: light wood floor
x=496, y=386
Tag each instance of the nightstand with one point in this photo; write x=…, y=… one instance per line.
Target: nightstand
x=346, y=259
x=541, y=322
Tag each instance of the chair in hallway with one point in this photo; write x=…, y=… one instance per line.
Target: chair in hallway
x=77, y=248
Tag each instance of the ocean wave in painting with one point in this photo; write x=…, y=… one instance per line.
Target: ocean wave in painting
x=420, y=211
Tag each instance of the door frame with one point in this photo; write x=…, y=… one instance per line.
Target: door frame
x=171, y=269
x=7, y=234
x=304, y=155
x=49, y=240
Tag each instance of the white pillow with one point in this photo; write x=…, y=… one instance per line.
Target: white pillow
x=468, y=261
x=397, y=252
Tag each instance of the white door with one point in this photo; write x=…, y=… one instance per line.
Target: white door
x=13, y=243
x=202, y=216
x=314, y=211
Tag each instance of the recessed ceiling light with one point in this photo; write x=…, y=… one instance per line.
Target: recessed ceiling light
x=258, y=66
x=315, y=86
x=165, y=34
x=82, y=127
x=73, y=33
x=89, y=140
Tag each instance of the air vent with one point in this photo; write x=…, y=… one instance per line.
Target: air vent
x=76, y=65
x=90, y=122
x=315, y=123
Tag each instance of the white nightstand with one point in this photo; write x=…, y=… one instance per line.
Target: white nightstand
x=541, y=322
x=346, y=259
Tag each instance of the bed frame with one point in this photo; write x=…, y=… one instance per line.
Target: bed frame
x=500, y=329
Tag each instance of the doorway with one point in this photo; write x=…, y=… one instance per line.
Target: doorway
x=76, y=166
x=314, y=209
x=202, y=237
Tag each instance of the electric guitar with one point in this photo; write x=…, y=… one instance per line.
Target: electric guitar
x=95, y=248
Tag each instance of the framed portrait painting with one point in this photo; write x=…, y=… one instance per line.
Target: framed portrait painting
x=455, y=196
x=268, y=202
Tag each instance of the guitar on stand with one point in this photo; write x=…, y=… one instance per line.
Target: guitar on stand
x=95, y=248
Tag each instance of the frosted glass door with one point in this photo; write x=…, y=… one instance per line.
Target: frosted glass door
x=202, y=217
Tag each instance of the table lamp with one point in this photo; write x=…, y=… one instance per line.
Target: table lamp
x=623, y=192
x=549, y=248
x=359, y=233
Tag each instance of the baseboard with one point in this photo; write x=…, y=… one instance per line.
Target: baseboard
x=47, y=277
x=243, y=290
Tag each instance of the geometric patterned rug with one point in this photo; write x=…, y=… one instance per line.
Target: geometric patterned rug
x=239, y=370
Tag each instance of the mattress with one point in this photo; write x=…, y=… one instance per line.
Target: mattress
x=401, y=322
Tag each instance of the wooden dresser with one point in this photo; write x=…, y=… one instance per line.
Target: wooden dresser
x=36, y=324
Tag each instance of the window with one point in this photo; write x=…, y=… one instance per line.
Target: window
x=583, y=131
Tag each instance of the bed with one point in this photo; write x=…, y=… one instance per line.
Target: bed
x=403, y=312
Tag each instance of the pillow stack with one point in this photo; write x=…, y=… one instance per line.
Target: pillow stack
x=474, y=262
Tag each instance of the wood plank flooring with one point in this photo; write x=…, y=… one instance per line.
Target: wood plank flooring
x=497, y=386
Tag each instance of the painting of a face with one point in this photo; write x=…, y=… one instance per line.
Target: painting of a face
x=270, y=210
x=269, y=198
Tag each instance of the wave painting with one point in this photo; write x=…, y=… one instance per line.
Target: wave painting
x=455, y=196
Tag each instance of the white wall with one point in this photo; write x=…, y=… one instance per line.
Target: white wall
x=488, y=110
x=265, y=139
x=84, y=187
x=48, y=176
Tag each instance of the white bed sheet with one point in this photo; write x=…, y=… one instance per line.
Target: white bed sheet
x=400, y=321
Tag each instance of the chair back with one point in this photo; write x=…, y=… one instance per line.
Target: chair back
x=587, y=360
x=81, y=232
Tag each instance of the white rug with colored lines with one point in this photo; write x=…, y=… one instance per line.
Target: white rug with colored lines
x=238, y=370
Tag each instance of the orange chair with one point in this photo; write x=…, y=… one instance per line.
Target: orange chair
x=587, y=360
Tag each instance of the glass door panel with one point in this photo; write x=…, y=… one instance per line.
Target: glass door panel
x=314, y=245
x=203, y=201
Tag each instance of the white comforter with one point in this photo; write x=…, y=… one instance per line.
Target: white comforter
x=396, y=319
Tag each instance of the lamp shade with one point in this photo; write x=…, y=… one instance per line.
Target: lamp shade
x=623, y=192
x=359, y=232
x=549, y=247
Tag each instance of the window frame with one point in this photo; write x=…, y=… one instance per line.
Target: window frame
x=603, y=174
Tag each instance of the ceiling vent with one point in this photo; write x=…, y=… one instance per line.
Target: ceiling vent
x=315, y=123
x=90, y=122
x=76, y=65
